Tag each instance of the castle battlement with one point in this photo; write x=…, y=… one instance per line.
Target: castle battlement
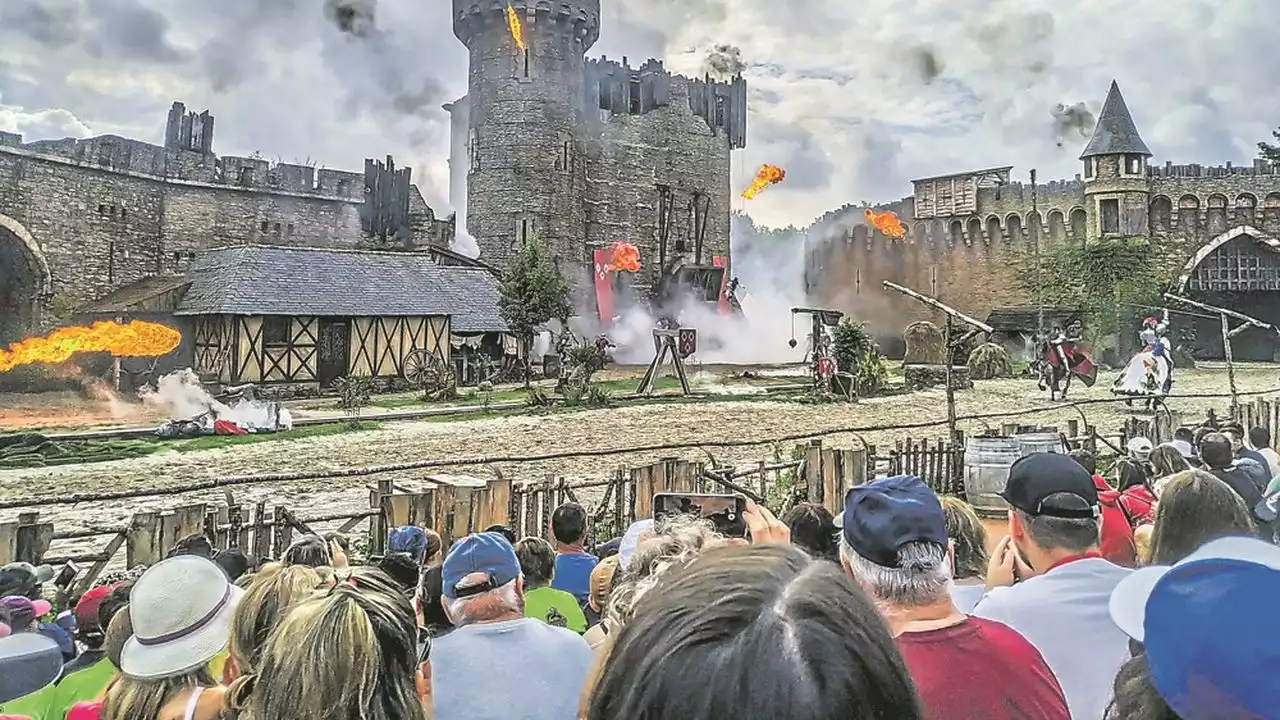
x=620, y=89
x=1194, y=170
x=474, y=18
x=115, y=154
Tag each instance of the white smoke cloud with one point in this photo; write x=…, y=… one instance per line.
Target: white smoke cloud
x=180, y=396
x=463, y=244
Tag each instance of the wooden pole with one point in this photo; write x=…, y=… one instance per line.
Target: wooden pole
x=1231, y=368
x=950, y=376
x=1224, y=312
x=938, y=305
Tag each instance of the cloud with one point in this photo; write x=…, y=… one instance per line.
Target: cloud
x=854, y=99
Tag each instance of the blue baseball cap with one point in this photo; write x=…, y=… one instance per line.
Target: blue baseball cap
x=408, y=539
x=487, y=553
x=1198, y=622
x=882, y=516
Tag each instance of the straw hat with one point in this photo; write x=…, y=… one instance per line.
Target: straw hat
x=181, y=612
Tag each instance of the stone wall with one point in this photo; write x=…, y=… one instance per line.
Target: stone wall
x=102, y=219
x=634, y=155
x=973, y=262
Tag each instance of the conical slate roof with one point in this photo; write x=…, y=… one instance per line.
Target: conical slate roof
x=1115, y=133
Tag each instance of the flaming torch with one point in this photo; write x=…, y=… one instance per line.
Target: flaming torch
x=626, y=258
x=135, y=339
x=767, y=175
x=517, y=32
x=887, y=223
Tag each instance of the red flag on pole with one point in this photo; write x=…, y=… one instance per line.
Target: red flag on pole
x=604, y=285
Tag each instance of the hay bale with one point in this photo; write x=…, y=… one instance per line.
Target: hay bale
x=925, y=344
x=989, y=361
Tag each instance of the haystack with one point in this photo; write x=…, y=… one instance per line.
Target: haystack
x=989, y=361
x=925, y=345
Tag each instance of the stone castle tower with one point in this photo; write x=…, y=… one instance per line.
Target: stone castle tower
x=591, y=152
x=1116, y=189
x=524, y=109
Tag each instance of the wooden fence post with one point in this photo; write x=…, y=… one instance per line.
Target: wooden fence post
x=143, y=539
x=8, y=542
x=813, y=470
x=33, y=538
x=281, y=532
x=493, y=504
x=261, y=531
x=378, y=524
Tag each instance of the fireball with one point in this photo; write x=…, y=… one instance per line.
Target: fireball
x=134, y=339
x=767, y=175
x=887, y=223
x=626, y=258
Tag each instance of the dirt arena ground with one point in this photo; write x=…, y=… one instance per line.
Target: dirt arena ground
x=615, y=428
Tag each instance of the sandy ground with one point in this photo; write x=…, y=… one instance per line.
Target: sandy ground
x=594, y=429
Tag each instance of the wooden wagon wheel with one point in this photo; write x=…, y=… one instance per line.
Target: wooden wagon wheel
x=427, y=372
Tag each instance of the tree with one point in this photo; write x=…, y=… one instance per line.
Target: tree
x=532, y=292
x=1270, y=152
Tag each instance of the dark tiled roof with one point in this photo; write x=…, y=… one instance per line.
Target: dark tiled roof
x=137, y=296
x=272, y=280
x=1025, y=318
x=1115, y=132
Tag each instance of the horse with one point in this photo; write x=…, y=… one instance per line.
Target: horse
x=1059, y=362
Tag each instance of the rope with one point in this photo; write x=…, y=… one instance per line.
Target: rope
x=233, y=480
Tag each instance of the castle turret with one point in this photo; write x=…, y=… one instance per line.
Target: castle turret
x=525, y=169
x=1115, y=172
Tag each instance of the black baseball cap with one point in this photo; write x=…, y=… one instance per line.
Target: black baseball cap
x=1035, y=477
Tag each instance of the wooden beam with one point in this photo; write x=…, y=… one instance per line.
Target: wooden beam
x=1224, y=312
x=938, y=305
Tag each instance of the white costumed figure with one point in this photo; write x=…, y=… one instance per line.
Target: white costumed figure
x=1150, y=372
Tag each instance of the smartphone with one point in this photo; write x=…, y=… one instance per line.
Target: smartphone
x=724, y=511
x=67, y=574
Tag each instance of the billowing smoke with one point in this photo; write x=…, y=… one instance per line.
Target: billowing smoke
x=1072, y=120
x=723, y=62
x=356, y=17
x=179, y=395
x=463, y=244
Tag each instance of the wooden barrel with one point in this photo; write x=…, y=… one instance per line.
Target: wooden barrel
x=986, y=470
x=1039, y=442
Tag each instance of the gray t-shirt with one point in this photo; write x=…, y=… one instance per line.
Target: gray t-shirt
x=515, y=669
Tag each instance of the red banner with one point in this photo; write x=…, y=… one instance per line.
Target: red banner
x=723, y=304
x=604, y=285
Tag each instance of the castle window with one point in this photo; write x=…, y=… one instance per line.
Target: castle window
x=635, y=97
x=1133, y=164
x=264, y=226
x=1109, y=216
x=564, y=159
x=289, y=229
x=473, y=150
x=526, y=62
x=719, y=111
x=123, y=213
x=102, y=209
x=277, y=228
x=1089, y=168
x=606, y=94
x=275, y=331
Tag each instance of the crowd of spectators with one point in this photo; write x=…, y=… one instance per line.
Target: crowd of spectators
x=1141, y=598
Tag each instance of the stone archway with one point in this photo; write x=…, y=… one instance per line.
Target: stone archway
x=1238, y=269
x=25, y=280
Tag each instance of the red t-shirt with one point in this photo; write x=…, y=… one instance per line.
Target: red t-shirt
x=1138, y=503
x=981, y=670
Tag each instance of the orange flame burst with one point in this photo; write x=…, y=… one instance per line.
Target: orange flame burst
x=517, y=32
x=626, y=258
x=767, y=175
x=887, y=223
x=136, y=339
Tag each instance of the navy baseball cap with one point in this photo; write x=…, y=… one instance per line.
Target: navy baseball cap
x=1035, y=477
x=1202, y=640
x=487, y=553
x=882, y=516
x=408, y=539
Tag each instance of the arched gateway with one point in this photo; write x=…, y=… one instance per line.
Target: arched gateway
x=1238, y=269
x=24, y=280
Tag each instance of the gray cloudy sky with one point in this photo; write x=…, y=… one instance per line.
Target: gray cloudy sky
x=853, y=98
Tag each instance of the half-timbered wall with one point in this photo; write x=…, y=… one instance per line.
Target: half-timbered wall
x=379, y=345
x=214, y=345
x=276, y=349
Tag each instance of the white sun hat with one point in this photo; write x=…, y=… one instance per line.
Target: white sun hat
x=631, y=541
x=1128, y=604
x=181, y=611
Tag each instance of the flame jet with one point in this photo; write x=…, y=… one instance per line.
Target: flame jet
x=767, y=175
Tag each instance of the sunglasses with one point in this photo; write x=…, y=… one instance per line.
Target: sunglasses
x=424, y=645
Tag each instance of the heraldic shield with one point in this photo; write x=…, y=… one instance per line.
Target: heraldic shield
x=688, y=342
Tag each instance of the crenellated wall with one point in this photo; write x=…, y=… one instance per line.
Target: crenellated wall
x=972, y=261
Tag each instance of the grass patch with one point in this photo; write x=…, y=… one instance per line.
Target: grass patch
x=213, y=442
